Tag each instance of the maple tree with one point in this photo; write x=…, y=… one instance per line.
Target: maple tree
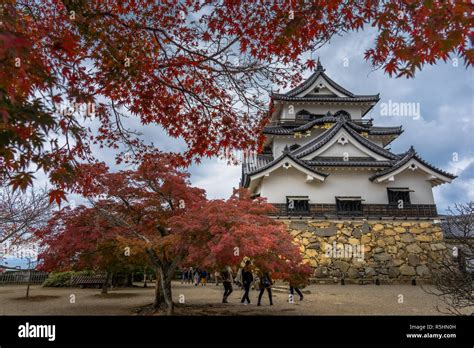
x=154, y=210
x=81, y=239
x=196, y=68
x=225, y=232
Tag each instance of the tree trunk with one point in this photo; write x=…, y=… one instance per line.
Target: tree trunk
x=28, y=285
x=166, y=287
x=159, y=300
x=105, y=286
x=164, y=274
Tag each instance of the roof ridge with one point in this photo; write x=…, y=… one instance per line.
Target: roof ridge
x=246, y=174
x=408, y=155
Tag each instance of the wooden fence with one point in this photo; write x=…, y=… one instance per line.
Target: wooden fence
x=22, y=277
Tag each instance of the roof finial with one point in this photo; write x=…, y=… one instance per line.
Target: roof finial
x=319, y=66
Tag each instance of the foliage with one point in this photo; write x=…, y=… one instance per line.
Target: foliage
x=63, y=279
x=196, y=68
x=154, y=210
x=223, y=233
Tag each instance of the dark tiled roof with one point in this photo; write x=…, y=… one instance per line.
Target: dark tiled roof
x=320, y=71
x=351, y=162
x=458, y=227
x=407, y=156
x=317, y=98
x=325, y=137
x=260, y=161
x=288, y=130
x=385, y=130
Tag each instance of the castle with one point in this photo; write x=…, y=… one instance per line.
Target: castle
x=322, y=157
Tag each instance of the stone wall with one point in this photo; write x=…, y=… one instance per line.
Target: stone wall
x=388, y=250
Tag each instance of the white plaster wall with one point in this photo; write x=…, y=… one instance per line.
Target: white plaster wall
x=279, y=142
x=338, y=150
x=291, y=182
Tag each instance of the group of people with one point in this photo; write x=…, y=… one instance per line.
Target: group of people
x=194, y=276
x=244, y=279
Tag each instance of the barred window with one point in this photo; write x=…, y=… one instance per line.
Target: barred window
x=297, y=204
x=399, y=194
x=349, y=204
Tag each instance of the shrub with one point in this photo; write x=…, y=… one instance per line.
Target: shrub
x=62, y=279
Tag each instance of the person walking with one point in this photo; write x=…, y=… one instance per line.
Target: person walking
x=216, y=277
x=184, y=276
x=197, y=276
x=227, y=280
x=190, y=275
x=238, y=278
x=247, y=279
x=265, y=283
x=203, y=277
x=294, y=289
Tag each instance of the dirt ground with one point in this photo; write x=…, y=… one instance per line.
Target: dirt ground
x=322, y=300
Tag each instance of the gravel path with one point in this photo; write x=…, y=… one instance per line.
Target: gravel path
x=323, y=300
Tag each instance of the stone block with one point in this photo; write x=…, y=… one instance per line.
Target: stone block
x=414, y=248
x=315, y=246
x=369, y=272
x=341, y=265
x=365, y=228
x=389, y=232
x=354, y=241
x=321, y=272
x=423, y=271
x=407, y=270
x=378, y=250
x=393, y=272
x=326, y=232
x=382, y=257
x=392, y=249
x=413, y=259
x=438, y=246
x=377, y=227
x=356, y=233
x=424, y=238
x=353, y=273
x=407, y=238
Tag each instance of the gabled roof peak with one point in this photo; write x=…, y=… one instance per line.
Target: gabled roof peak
x=345, y=95
x=319, y=66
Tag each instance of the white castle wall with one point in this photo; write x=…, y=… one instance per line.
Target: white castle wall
x=291, y=182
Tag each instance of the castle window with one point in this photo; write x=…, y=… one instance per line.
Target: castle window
x=398, y=194
x=349, y=204
x=294, y=147
x=297, y=204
